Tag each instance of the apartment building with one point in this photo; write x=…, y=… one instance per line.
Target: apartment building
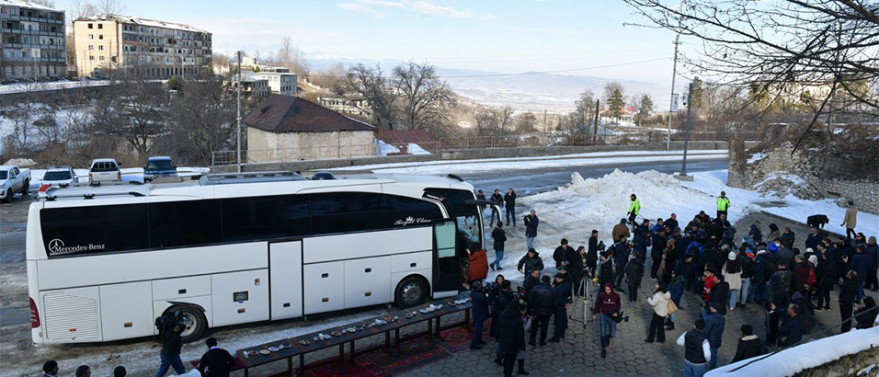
x=155, y=49
x=31, y=42
x=281, y=81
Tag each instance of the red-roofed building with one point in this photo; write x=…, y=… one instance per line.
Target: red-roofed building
x=285, y=128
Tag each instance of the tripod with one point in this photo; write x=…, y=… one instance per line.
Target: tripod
x=586, y=286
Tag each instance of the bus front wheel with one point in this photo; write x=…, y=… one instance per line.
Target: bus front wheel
x=411, y=291
x=194, y=322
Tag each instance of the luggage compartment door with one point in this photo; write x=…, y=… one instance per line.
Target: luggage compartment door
x=324, y=287
x=240, y=297
x=367, y=282
x=285, y=274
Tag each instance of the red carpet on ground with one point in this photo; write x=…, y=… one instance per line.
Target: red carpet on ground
x=413, y=353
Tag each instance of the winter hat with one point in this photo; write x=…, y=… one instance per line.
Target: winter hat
x=724, y=248
x=732, y=255
x=813, y=260
x=559, y=275
x=809, y=250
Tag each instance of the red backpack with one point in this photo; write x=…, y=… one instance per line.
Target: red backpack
x=812, y=278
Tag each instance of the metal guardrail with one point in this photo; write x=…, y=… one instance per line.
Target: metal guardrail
x=342, y=151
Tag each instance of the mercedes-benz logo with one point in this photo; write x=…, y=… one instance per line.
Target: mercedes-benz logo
x=55, y=245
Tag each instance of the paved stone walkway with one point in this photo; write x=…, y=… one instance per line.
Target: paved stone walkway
x=628, y=354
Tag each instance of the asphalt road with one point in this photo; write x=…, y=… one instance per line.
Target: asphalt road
x=529, y=182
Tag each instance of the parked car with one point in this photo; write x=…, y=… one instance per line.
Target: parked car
x=104, y=170
x=159, y=166
x=61, y=176
x=13, y=180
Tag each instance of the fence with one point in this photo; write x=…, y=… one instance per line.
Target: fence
x=458, y=143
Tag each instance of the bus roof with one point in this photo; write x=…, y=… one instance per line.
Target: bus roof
x=230, y=186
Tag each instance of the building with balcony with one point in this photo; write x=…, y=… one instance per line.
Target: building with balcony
x=154, y=49
x=31, y=42
x=252, y=84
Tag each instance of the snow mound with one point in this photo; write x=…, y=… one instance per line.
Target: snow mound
x=21, y=162
x=810, y=355
x=600, y=203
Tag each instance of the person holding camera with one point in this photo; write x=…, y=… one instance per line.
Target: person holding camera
x=607, y=311
x=531, y=222
x=171, y=325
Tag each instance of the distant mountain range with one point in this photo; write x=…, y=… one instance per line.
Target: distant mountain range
x=529, y=91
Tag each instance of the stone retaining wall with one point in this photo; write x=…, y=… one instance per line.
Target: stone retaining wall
x=847, y=366
x=783, y=171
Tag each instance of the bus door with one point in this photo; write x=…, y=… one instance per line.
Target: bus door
x=447, y=271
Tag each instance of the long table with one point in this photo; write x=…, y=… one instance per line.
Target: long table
x=297, y=349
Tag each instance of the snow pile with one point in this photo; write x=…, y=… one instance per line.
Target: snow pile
x=783, y=184
x=810, y=355
x=586, y=204
x=386, y=149
x=756, y=157
x=21, y=162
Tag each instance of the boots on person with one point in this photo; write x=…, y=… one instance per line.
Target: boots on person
x=522, y=370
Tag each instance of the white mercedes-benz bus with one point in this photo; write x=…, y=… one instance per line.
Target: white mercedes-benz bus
x=104, y=262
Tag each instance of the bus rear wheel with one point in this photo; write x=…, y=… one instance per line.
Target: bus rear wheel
x=411, y=291
x=194, y=322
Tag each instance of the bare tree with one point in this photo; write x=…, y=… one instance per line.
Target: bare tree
x=581, y=119
x=425, y=97
x=200, y=121
x=333, y=79
x=375, y=88
x=134, y=109
x=789, y=46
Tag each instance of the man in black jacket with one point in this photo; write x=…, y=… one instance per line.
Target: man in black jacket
x=749, y=345
x=559, y=255
x=479, y=300
x=511, y=336
x=541, y=303
x=171, y=344
x=562, y=293
x=847, y=294
x=792, y=329
x=499, y=235
x=217, y=362
x=592, y=252
x=497, y=199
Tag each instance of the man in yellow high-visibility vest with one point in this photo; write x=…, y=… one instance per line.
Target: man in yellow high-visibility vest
x=634, y=210
x=722, y=204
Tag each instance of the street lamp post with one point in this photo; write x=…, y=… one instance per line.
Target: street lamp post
x=687, y=133
x=238, y=117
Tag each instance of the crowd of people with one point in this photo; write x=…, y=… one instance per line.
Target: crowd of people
x=705, y=256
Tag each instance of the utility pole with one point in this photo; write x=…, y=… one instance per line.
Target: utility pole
x=238, y=144
x=674, y=72
x=544, y=121
x=687, y=133
x=595, y=125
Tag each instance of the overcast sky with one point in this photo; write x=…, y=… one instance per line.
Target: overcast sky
x=579, y=37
